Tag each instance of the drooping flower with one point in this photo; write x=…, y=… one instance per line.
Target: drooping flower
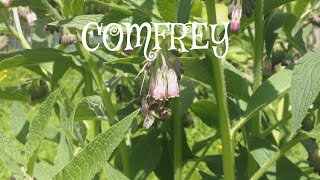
x=173, y=87
x=6, y=2
x=235, y=13
x=160, y=90
x=31, y=18
x=314, y=160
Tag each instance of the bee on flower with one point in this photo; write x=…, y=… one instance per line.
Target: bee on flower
x=164, y=75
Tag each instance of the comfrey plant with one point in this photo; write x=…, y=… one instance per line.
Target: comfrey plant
x=159, y=89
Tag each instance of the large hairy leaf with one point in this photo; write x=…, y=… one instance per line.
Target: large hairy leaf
x=90, y=108
x=37, y=128
x=8, y=146
x=305, y=87
x=114, y=174
x=262, y=151
x=271, y=89
x=31, y=57
x=93, y=157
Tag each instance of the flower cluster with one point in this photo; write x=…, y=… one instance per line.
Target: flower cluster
x=314, y=160
x=164, y=76
x=66, y=37
x=163, y=82
x=6, y=2
x=28, y=15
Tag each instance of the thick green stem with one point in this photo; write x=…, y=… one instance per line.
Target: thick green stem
x=258, y=58
x=277, y=155
x=177, y=133
x=221, y=97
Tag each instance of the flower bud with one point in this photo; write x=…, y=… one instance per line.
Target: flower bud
x=314, y=160
x=66, y=37
x=235, y=13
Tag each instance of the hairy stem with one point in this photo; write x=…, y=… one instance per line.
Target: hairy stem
x=258, y=58
x=177, y=133
x=221, y=97
x=277, y=155
x=17, y=32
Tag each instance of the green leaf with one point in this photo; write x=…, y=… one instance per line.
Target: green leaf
x=305, y=87
x=37, y=128
x=276, y=22
x=59, y=69
x=214, y=163
x=262, y=151
x=207, y=111
x=77, y=7
x=8, y=146
x=271, y=89
x=144, y=160
x=90, y=108
x=14, y=93
x=300, y=7
x=94, y=156
x=167, y=10
x=11, y=164
x=18, y=117
x=268, y=6
x=32, y=57
x=114, y=174
x=184, y=10
x=64, y=155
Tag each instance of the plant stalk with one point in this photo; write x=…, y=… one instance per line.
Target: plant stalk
x=221, y=98
x=177, y=136
x=278, y=155
x=258, y=58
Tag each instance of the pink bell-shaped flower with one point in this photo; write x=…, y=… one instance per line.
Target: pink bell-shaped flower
x=31, y=18
x=173, y=87
x=160, y=90
x=235, y=19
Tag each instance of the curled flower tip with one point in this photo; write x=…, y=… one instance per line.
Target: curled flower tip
x=31, y=18
x=173, y=87
x=6, y=3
